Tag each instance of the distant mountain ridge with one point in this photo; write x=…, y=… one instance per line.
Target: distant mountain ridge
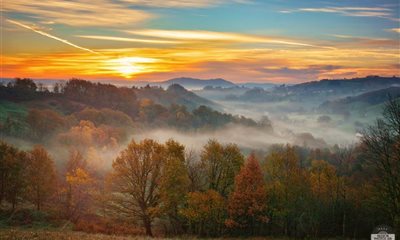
x=361, y=101
x=364, y=84
x=217, y=82
x=317, y=91
x=188, y=83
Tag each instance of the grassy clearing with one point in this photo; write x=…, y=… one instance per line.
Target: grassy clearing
x=31, y=234
x=11, y=109
x=25, y=234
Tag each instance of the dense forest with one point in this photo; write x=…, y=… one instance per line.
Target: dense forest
x=70, y=177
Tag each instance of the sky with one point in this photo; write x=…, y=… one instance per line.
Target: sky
x=280, y=41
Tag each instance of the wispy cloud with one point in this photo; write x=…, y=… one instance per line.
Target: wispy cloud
x=381, y=12
x=183, y=3
x=124, y=39
x=50, y=36
x=100, y=12
x=77, y=12
x=367, y=41
x=397, y=30
x=196, y=35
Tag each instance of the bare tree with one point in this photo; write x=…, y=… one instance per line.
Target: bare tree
x=381, y=143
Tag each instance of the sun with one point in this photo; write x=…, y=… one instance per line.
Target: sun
x=128, y=69
x=129, y=66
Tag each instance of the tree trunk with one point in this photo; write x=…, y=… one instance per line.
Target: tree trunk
x=344, y=225
x=38, y=198
x=147, y=226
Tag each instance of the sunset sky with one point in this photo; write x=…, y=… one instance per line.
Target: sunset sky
x=284, y=41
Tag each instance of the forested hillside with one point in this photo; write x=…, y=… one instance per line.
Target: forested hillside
x=84, y=171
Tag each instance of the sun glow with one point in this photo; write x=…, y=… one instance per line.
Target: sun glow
x=129, y=66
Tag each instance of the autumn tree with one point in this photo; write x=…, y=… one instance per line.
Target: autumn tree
x=85, y=135
x=152, y=113
x=78, y=188
x=44, y=123
x=381, y=143
x=195, y=171
x=174, y=184
x=288, y=187
x=41, y=176
x=221, y=164
x=105, y=116
x=12, y=174
x=205, y=212
x=179, y=117
x=135, y=180
x=101, y=95
x=327, y=190
x=323, y=180
x=247, y=203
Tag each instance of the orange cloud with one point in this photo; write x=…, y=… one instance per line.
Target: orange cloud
x=289, y=65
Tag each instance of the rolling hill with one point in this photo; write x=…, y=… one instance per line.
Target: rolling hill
x=360, y=103
x=355, y=85
x=318, y=91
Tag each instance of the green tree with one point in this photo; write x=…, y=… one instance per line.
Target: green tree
x=221, y=164
x=288, y=188
x=174, y=184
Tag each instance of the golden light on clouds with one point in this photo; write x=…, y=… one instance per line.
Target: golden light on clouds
x=159, y=39
x=234, y=64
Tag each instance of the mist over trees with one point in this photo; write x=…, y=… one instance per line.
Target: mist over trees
x=105, y=104
x=72, y=177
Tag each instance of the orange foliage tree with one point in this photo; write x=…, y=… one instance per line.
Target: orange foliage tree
x=205, y=212
x=247, y=204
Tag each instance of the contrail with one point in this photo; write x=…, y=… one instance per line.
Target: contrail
x=51, y=36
